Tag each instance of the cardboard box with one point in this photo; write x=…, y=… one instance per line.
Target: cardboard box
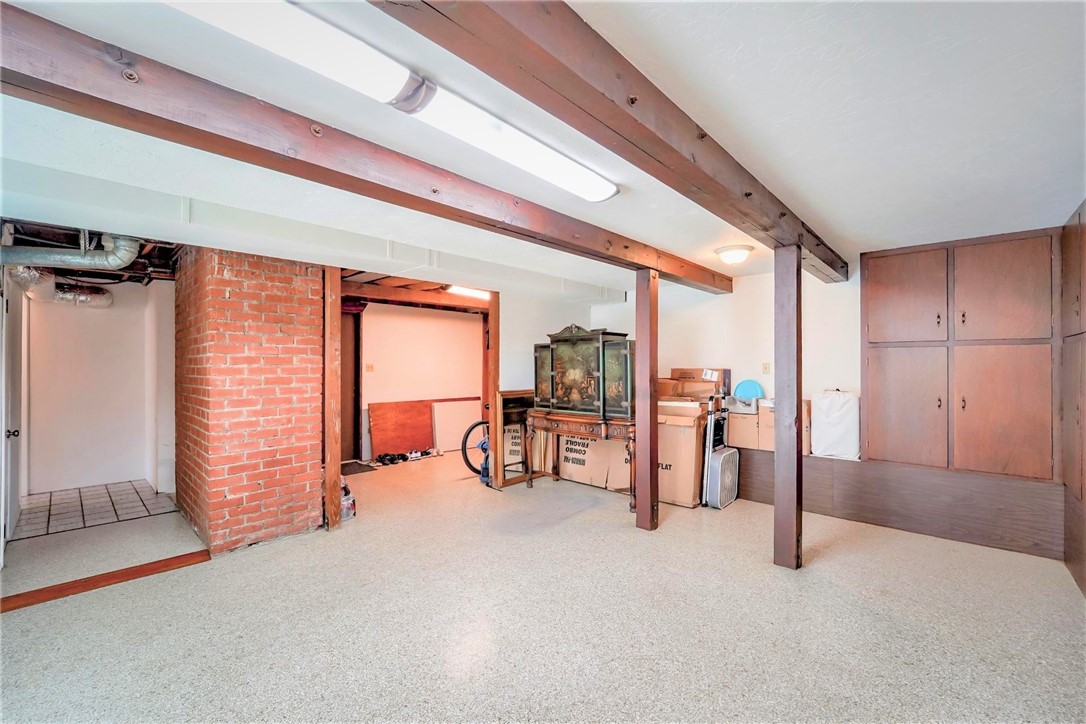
x=720, y=378
x=584, y=460
x=666, y=387
x=682, y=451
x=767, y=426
x=513, y=443
x=697, y=390
x=618, y=475
x=743, y=431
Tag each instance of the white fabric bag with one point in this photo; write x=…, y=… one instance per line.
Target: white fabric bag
x=835, y=425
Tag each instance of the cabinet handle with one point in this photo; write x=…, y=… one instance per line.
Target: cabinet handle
x=938, y=320
x=963, y=403
x=939, y=401
x=963, y=317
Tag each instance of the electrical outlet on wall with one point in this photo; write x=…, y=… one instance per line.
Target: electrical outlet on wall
x=765, y=368
x=369, y=367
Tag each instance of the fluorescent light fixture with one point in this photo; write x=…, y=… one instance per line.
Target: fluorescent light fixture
x=288, y=30
x=734, y=254
x=467, y=292
x=292, y=33
x=452, y=114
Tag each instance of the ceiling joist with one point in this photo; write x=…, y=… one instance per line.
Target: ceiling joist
x=51, y=65
x=414, y=297
x=546, y=53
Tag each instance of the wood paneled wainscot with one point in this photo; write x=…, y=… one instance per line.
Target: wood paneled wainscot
x=959, y=342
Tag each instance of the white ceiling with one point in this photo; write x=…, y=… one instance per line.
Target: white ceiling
x=644, y=209
x=880, y=124
x=95, y=151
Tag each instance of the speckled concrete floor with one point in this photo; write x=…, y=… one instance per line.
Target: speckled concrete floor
x=449, y=601
x=61, y=557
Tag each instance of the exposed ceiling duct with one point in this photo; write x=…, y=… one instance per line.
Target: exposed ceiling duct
x=119, y=252
x=41, y=286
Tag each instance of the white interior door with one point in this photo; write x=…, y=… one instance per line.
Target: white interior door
x=10, y=322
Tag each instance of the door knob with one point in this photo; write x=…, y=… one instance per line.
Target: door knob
x=11, y=433
x=963, y=403
x=938, y=320
x=963, y=317
x=939, y=401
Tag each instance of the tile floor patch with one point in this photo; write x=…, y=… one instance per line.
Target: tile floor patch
x=63, y=510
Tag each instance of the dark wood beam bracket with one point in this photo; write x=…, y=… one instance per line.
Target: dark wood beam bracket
x=547, y=54
x=51, y=65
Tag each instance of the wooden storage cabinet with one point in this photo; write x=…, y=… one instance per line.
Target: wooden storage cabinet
x=906, y=297
x=743, y=431
x=767, y=428
x=977, y=395
x=1073, y=432
x=907, y=404
x=1073, y=249
x=1003, y=409
x=1003, y=290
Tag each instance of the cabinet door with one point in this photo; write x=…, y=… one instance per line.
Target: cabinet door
x=743, y=431
x=905, y=297
x=906, y=398
x=1003, y=290
x=767, y=429
x=1071, y=392
x=1003, y=409
x=1074, y=259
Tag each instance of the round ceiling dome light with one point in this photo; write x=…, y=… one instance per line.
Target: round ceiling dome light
x=734, y=254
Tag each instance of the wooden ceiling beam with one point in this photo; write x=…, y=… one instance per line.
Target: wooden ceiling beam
x=403, y=295
x=394, y=281
x=51, y=65
x=545, y=52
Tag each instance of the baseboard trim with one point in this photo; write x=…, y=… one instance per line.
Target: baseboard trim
x=62, y=590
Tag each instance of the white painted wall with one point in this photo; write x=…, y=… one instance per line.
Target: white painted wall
x=160, y=365
x=736, y=330
x=93, y=416
x=420, y=354
x=525, y=322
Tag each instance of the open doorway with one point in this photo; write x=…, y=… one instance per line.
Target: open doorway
x=88, y=378
x=418, y=370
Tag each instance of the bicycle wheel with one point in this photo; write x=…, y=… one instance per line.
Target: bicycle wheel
x=472, y=446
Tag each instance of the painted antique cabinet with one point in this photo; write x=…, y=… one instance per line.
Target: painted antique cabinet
x=585, y=371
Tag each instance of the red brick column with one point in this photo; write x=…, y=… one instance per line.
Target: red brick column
x=248, y=396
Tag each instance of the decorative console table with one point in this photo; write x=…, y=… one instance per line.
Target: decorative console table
x=560, y=424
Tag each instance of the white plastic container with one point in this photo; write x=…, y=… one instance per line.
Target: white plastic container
x=835, y=425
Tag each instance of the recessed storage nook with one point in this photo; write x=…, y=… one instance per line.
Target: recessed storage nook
x=958, y=343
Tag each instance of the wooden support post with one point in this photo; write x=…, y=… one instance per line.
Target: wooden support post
x=333, y=424
x=788, y=358
x=490, y=391
x=647, y=437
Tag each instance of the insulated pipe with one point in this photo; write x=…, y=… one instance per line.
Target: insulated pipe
x=41, y=286
x=120, y=251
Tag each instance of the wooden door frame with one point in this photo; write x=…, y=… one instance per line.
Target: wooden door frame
x=489, y=312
